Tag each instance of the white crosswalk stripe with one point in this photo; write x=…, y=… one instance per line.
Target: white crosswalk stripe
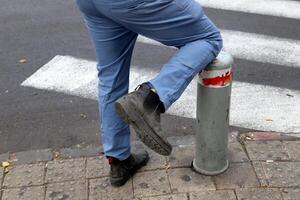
x=261, y=48
x=280, y=8
x=253, y=106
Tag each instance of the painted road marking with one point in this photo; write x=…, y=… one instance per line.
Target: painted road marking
x=256, y=47
x=253, y=106
x=279, y=8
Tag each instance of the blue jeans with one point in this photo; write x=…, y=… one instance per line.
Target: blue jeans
x=114, y=26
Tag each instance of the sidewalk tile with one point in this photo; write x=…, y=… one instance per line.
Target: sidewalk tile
x=25, y=175
x=151, y=183
x=258, y=168
x=213, y=195
x=97, y=167
x=186, y=180
x=24, y=193
x=238, y=175
x=32, y=156
x=266, y=150
x=166, y=197
x=293, y=148
x=75, y=190
x=236, y=153
x=182, y=156
x=258, y=194
x=290, y=193
x=100, y=189
x=65, y=170
x=156, y=162
x=282, y=174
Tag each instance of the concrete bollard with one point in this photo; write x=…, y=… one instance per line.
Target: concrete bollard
x=213, y=103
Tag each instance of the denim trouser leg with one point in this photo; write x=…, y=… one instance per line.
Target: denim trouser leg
x=114, y=45
x=114, y=25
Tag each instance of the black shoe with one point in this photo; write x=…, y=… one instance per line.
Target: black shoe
x=141, y=109
x=120, y=171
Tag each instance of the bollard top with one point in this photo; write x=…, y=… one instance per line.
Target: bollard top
x=218, y=73
x=223, y=61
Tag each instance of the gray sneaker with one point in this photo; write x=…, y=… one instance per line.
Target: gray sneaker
x=141, y=109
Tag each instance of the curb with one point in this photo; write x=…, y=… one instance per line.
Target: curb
x=44, y=155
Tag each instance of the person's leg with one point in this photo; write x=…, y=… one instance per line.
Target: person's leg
x=114, y=45
x=179, y=23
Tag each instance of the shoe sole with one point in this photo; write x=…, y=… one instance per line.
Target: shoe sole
x=130, y=114
x=118, y=182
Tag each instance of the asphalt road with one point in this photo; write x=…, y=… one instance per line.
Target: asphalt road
x=38, y=30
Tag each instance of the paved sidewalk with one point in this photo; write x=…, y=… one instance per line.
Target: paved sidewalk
x=260, y=170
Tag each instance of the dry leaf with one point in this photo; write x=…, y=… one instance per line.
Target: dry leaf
x=5, y=164
x=83, y=116
x=167, y=166
x=23, y=61
x=56, y=154
x=269, y=120
x=248, y=138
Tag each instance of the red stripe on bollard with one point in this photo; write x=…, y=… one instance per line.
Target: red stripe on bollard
x=218, y=81
x=215, y=78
